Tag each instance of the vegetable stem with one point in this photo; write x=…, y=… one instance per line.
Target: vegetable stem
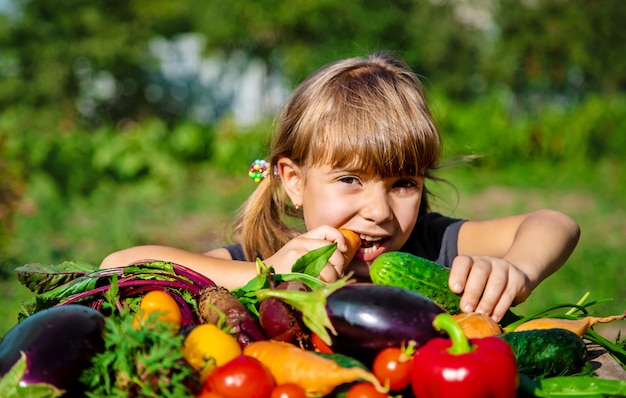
x=580, y=302
x=312, y=305
x=615, y=350
x=460, y=343
x=544, y=313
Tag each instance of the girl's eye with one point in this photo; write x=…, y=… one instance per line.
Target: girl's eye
x=349, y=180
x=405, y=183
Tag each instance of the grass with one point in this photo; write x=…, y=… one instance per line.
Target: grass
x=196, y=213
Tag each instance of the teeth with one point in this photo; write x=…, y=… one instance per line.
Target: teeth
x=370, y=238
x=370, y=249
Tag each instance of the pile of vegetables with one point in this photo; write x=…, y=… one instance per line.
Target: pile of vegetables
x=160, y=329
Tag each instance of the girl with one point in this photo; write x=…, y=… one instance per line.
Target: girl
x=354, y=146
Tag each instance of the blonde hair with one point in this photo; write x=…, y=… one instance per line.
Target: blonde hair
x=365, y=112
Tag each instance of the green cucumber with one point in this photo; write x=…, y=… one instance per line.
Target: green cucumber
x=417, y=274
x=547, y=352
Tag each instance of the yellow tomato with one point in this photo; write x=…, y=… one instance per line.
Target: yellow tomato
x=207, y=347
x=157, y=301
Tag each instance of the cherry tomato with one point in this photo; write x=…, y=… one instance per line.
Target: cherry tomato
x=319, y=344
x=288, y=390
x=208, y=394
x=392, y=367
x=158, y=301
x=364, y=390
x=207, y=347
x=243, y=376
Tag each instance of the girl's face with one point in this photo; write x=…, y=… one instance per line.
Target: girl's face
x=382, y=211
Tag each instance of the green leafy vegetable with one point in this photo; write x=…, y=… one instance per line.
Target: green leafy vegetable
x=314, y=261
x=10, y=388
x=65, y=284
x=312, y=305
x=40, y=278
x=145, y=362
x=306, y=269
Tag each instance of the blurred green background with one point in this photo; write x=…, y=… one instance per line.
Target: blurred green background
x=125, y=122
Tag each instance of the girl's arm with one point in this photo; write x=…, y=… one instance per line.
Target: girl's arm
x=501, y=261
x=216, y=264
x=219, y=266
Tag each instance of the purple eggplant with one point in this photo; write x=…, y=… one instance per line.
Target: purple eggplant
x=59, y=343
x=363, y=318
x=369, y=317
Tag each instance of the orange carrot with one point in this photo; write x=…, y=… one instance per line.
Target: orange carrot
x=353, y=241
x=316, y=374
x=579, y=326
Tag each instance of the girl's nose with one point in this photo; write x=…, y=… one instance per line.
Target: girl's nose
x=376, y=207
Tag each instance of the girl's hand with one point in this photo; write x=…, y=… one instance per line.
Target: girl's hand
x=283, y=260
x=489, y=285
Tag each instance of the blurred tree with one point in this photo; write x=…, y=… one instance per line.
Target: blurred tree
x=299, y=38
x=62, y=49
x=88, y=61
x=567, y=48
x=11, y=189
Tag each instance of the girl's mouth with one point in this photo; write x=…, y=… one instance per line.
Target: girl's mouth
x=371, y=247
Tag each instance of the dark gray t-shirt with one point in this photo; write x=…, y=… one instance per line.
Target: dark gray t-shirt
x=434, y=237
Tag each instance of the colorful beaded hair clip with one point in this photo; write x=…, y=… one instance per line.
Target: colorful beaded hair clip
x=259, y=170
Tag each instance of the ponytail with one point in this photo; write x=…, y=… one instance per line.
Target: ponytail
x=261, y=228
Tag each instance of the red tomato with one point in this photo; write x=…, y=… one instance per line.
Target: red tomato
x=288, y=390
x=319, y=344
x=243, y=376
x=392, y=367
x=208, y=394
x=365, y=390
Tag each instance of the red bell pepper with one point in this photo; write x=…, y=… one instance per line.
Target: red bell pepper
x=458, y=367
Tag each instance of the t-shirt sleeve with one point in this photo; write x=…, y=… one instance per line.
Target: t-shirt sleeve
x=435, y=237
x=236, y=252
x=449, y=244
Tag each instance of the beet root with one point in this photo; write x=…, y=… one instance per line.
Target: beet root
x=217, y=300
x=281, y=321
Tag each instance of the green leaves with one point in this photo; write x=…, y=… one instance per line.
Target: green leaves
x=10, y=388
x=69, y=283
x=314, y=261
x=40, y=277
x=306, y=270
x=312, y=305
x=146, y=362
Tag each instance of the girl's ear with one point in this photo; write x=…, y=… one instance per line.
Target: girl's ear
x=292, y=178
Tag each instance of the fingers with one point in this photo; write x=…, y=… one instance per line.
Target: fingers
x=329, y=274
x=470, y=277
x=335, y=268
x=348, y=243
x=489, y=285
x=459, y=272
x=337, y=263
